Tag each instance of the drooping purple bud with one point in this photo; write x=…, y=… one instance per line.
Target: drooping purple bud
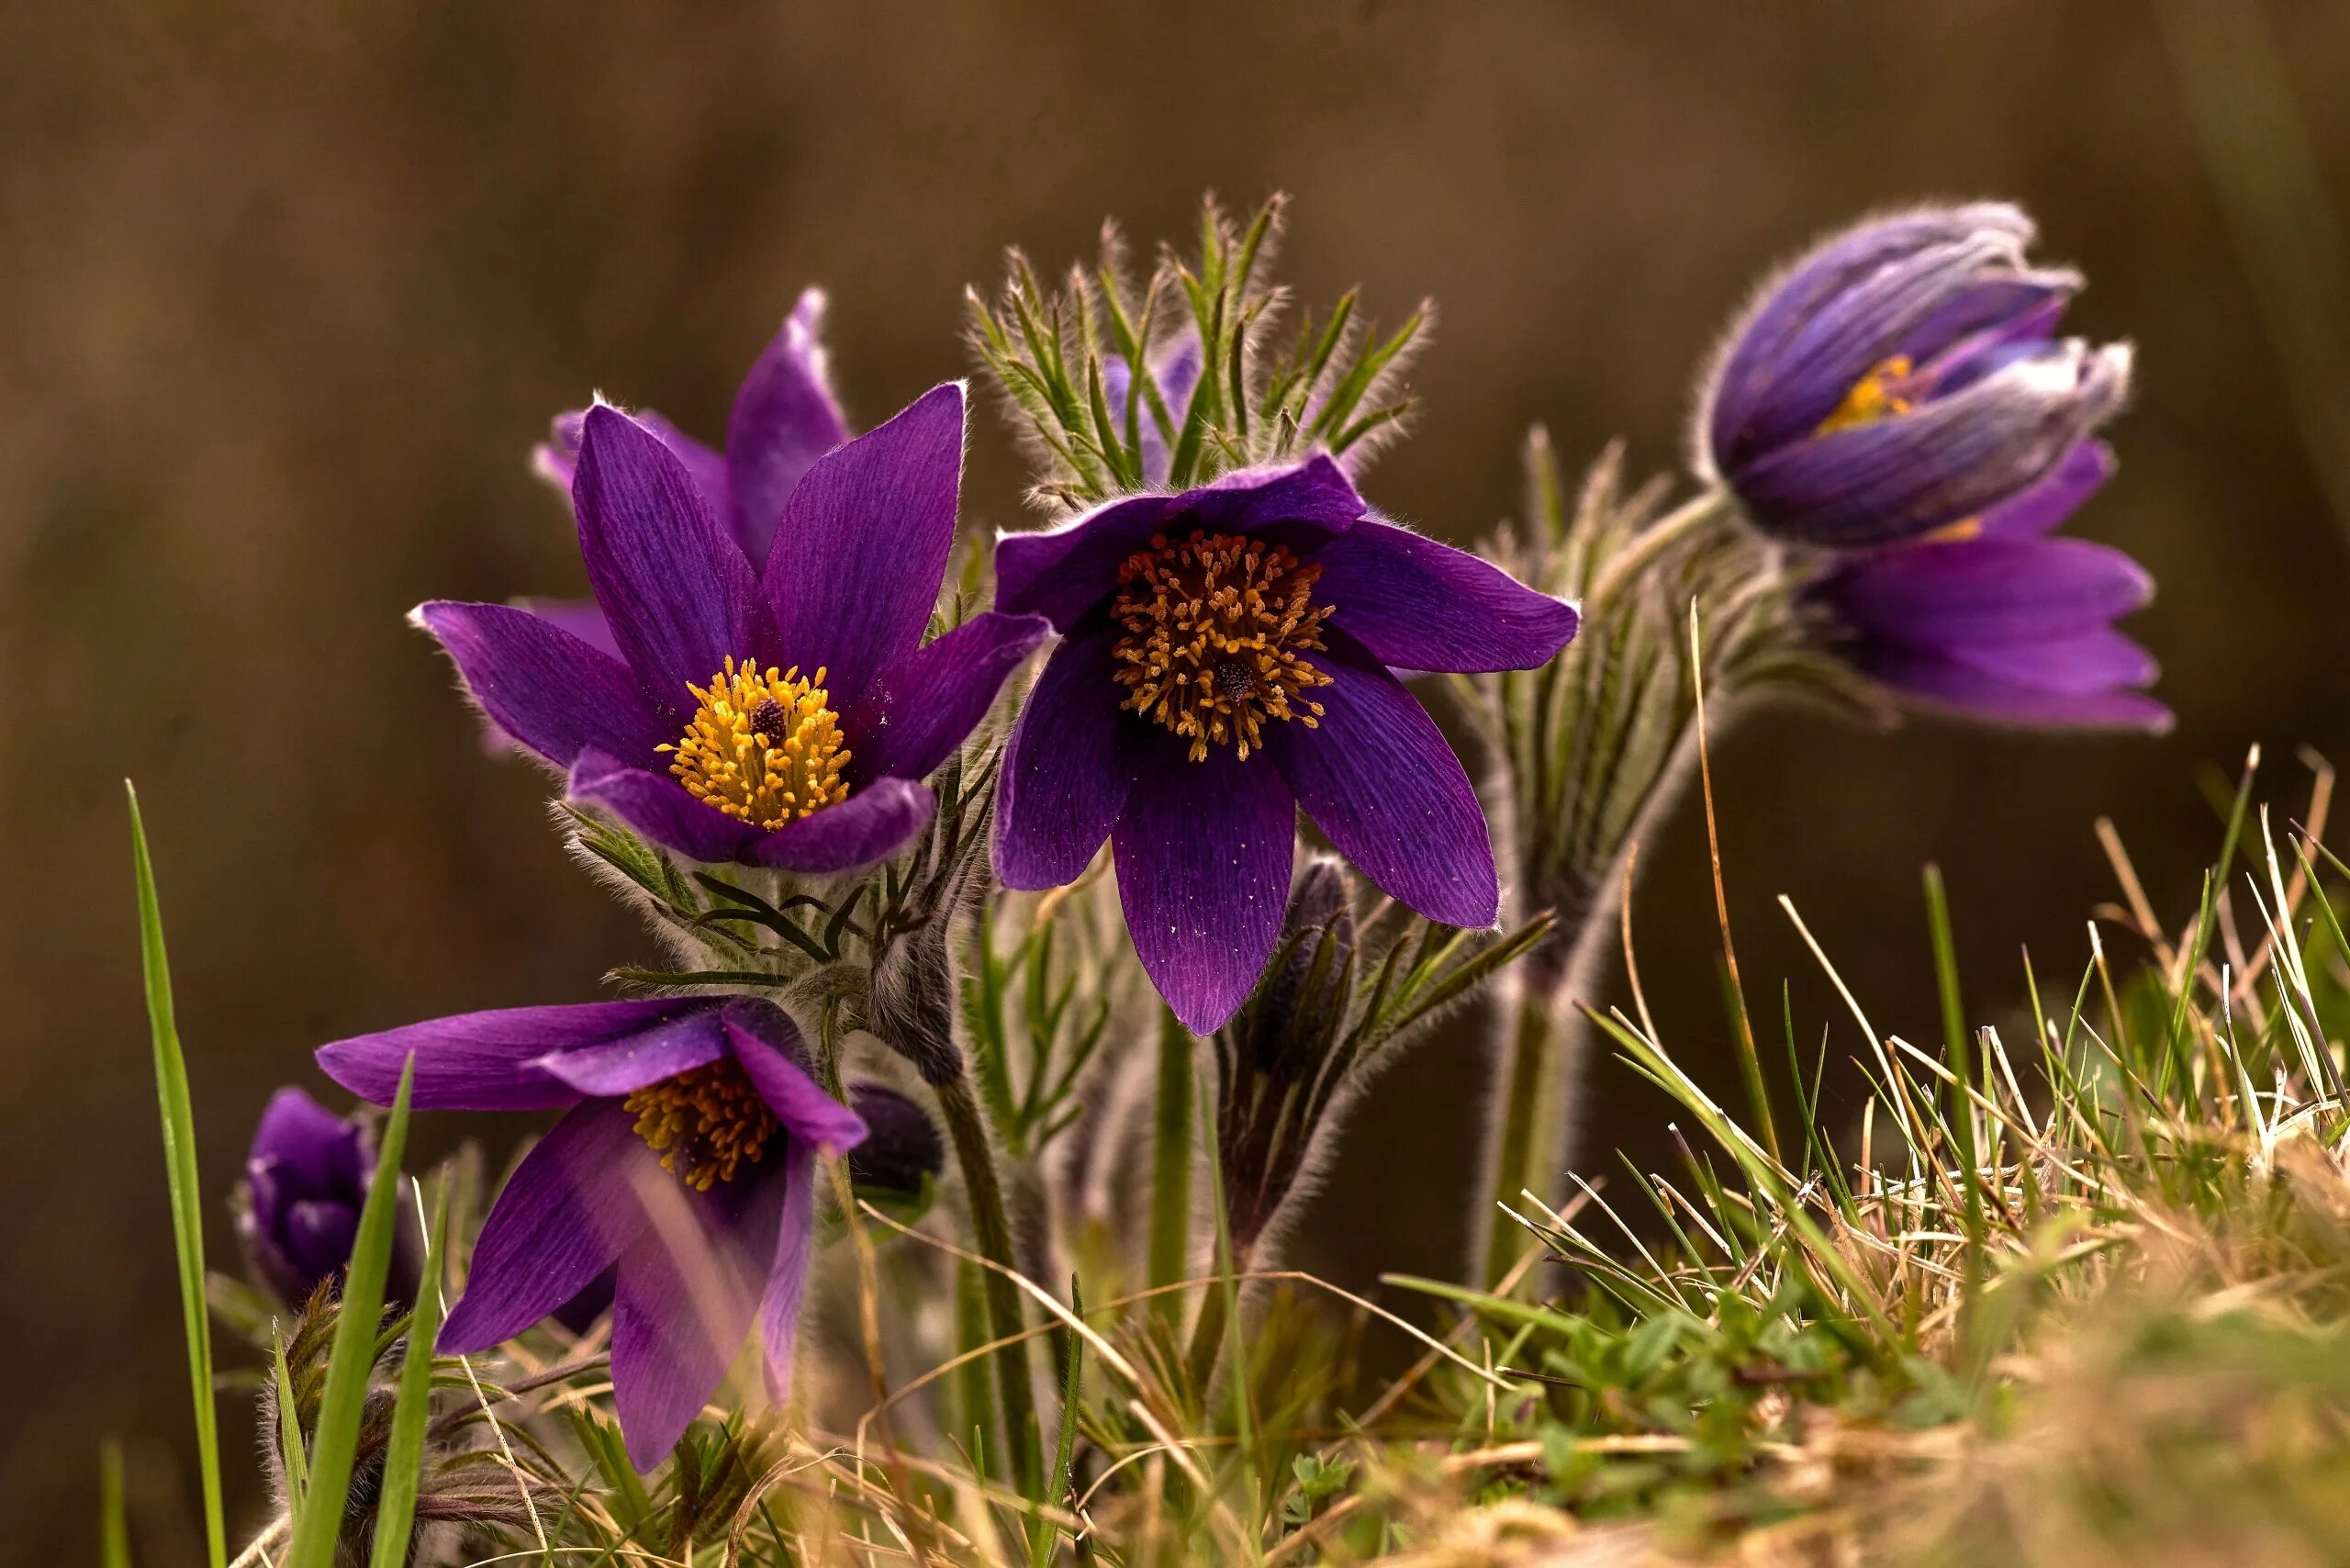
x=298, y=1212
x=1902, y=378
x=901, y=1151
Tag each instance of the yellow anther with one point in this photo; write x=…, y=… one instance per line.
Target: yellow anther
x=707, y=1123
x=764, y=748
x=1872, y=397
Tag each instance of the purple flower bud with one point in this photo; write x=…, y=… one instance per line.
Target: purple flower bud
x=901, y=1148
x=1903, y=377
x=298, y=1212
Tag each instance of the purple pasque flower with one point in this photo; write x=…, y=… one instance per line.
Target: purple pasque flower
x=1995, y=617
x=1228, y=655
x=785, y=416
x=1903, y=376
x=298, y=1213
x=684, y=1165
x=782, y=716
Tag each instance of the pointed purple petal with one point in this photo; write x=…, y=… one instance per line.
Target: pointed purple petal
x=1941, y=681
x=855, y=569
x=581, y=618
x=672, y=581
x=775, y=1059
x=544, y=687
x=557, y=461
x=1418, y=604
x=2076, y=664
x=1203, y=852
x=2044, y=506
x=1065, y=778
x=688, y=1287
x=787, y=1277
x=658, y=807
x=690, y=1036
x=784, y=419
x=919, y=709
x=320, y=1148
x=872, y=824
x=1988, y=590
x=1064, y=573
x=493, y=1061
x=1379, y=781
x=570, y=1208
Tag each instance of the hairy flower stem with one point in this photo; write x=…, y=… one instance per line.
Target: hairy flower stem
x=991, y=1229
x=1170, y=1187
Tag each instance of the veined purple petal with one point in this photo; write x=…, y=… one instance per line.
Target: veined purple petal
x=658, y=807
x=1944, y=681
x=688, y=1287
x=1065, y=775
x=1418, y=604
x=547, y=690
x=1063, y=573
x=2041, y=507
x=674, y=584
x=787, y=1276
x=1987, y=590
x=493, y=1061
x=571, y=1207
x=661, y=1049
x=581, y=618
x=921, y=706
x=775, y=1058
x=872, y=824
x=557, y=461
x=2077, y=665
x=784, y=419
x=1203, y=852
x=1302, y=505
x=1950, y=459
x=855, y=569
x=1379, y=781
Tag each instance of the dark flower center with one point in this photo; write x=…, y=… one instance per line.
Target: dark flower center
x=1214, y=627
x=707, y=1123
x=763, y=747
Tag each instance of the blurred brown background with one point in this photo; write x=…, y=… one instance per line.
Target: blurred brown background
x=289, y=290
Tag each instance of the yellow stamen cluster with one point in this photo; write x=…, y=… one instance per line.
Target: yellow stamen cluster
x=707, y=1123
x=764, y=748
x=1214, y=627
x=1873, y=396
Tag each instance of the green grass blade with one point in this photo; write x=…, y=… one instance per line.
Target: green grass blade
x=1962, y=1063
x=179, y=1163
x=113, y=1523
x=1041, y=1544
x=351, y=1361
x=291, y=1457
x=404, y=1453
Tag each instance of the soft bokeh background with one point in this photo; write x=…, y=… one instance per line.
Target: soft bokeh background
x=288, y=291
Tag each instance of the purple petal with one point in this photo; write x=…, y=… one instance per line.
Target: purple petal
x=557, y=461
x=2077, y=665
x=872, y=824
x=2041, y=507
x=658, y=807
x=1063, y=574
x=674, y=584
x=318, y=1233
x=1950, y=459
x=1203, y=852
x=774, y=1057
x=662, y=1047
x=327, y=1152
x=1987, y=590
x=787, y=1277
x=571, y=1207
x=493, y=1061
x=919, y=709
x=1065, y=776
x=1174, y=365
x=855, y=570
x=784, y=419
x=546, y=689
x=581, y=618
x=688, y=1287
x=1379, y=781
x=1944, y=681
x=1418, y=604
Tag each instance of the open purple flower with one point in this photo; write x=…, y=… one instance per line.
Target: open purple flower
x=785, y=416
x=1901, y=377
x=684, y=1167
x=1228, y=656
x=782, y=716
x=1995, y=617
x=298, y=1213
